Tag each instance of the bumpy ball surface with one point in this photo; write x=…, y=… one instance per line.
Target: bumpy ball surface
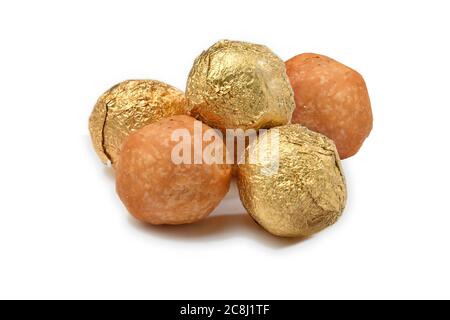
x=240, y=85
x=331, y=99
x=158, y=191
x=307, y=192
x=127, y=107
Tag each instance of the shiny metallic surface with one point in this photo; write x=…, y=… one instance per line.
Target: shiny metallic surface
x=240, y=85
x=305, y=195
x=127, y=107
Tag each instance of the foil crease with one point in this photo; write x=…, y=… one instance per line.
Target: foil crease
x=127, y=107
x=240, y=85
x=306, y=194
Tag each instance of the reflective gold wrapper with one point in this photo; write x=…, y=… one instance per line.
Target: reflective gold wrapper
x=240, y=85
x=129, y=106
x=303, y=193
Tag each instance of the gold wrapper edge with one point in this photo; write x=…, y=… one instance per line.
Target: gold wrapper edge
x=129, y=106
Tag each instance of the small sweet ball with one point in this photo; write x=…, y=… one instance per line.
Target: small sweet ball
x=297, y=187
x=157, y=190
x=127, y=107
x=331, y=99
x=240, y=85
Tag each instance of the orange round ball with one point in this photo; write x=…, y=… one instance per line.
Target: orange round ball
x=331, y=99
x=155, y=189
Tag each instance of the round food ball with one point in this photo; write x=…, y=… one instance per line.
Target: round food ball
x=240, y=85
x=158, y=190
x=296, y=187
x=129, y=106
x=331, y=99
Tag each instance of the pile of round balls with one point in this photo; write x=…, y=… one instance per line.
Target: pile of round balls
x=319, y=107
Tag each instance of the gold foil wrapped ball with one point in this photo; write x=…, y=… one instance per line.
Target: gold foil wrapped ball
x=129, y=106
x=156, y=188
x=240, y=85
x=296, y=187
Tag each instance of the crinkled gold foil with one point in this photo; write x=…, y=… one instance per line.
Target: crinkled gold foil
x=240, y=85
x=129, y=106
x=306, y=194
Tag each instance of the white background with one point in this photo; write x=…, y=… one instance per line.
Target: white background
x=65, y=234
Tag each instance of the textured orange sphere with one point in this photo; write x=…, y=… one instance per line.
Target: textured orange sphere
x=155, y=189
x=331, y=99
